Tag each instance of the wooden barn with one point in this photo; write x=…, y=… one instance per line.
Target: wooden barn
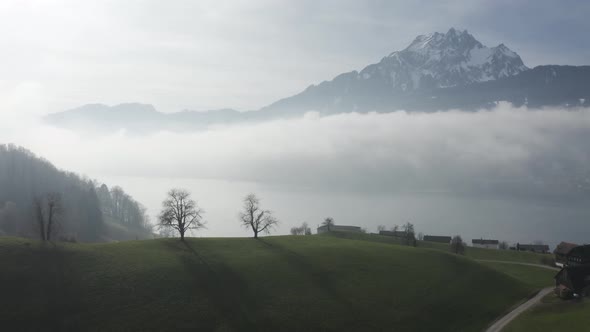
x=574, y=278
x=561, y=252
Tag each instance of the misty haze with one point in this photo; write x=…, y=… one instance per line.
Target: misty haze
x=290, y=166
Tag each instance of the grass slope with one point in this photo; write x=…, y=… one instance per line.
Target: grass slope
x=471, y=252
x=554, y=314
x=536, y=277
x=311, y=283
x=490, y=254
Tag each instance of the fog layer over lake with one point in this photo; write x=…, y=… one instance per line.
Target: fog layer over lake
x=512, y=174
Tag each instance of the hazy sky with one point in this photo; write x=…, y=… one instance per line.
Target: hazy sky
x=477, y=173
x=509, y=173
x=243, y=54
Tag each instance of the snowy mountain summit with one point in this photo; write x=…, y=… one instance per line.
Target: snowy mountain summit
x=436, y=72
x=439, y=60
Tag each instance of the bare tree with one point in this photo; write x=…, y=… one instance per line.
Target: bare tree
x=255, y=218
x=46, y=210
x=301, y=230
x=380, y=228
x=457, y=245
x=503, y=245
x=296, y=230
x=421, y=236
x=394, y=228
x=180, y=212
x=328, y=222
x=54, y=207
x=409, y=237
x=38, y=206
x=306, y=229
x=408, y=228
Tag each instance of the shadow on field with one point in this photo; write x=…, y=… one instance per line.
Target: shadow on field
x=318, y=276
x=224, y=289
x=44, y=293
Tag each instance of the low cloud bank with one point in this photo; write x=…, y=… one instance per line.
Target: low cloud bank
x=507, y=150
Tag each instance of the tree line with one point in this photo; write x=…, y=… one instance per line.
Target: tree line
x=39, y=200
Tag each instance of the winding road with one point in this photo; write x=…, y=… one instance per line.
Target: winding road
x=502, y=322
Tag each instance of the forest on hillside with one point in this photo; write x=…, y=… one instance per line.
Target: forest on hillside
x=68, y=206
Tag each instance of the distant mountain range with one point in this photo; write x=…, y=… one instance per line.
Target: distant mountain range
x=436, y=72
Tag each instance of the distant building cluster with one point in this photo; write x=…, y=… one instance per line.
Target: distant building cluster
x=338, y=228
x=438, y=238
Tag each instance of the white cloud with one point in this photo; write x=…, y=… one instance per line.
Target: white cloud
x=536, y=151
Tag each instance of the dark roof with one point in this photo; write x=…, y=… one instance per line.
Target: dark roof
x=437, y=238
x=535, y=247
x=393, y=233
x=483, y=241
x=341, y=228
x=564, y=248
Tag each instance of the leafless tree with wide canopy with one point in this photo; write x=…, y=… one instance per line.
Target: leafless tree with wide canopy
x=255, y=218
x=180, y=212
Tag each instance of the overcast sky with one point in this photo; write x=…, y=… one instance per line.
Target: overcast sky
x=243, y=54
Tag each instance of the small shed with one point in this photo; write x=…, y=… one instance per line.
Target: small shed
x=487, y=244
x=401, y=234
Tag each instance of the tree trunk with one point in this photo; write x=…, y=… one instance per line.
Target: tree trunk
x=182, y=236
x=39, y=213
x=255, y=234
x=49, y=222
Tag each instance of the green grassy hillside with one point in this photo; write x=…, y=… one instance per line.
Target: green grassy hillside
x=554, y=314
x=491, y=254
x=311, y=283
x=533, y=276
x=475, y=253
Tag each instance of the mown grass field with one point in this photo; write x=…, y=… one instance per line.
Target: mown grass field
x=474, y=253
x=285, y=283
x=488, y=254
x=554, y=314
x=536, y=277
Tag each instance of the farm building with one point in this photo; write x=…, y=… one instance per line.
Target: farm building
x=561, y=252
x=487, y=244
x=540, y=248
x=437, y=238
x=574, y=277
x=338, y=228
x=393, y=233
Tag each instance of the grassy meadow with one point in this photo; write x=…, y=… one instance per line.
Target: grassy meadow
x=284, y=283
x=554, y=314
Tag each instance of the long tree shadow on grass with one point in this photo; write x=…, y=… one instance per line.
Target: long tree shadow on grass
x=224, y=289
x=45, y=289
x=323, y=281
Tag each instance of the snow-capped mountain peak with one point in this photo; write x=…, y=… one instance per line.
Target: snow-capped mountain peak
x=443, y=60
